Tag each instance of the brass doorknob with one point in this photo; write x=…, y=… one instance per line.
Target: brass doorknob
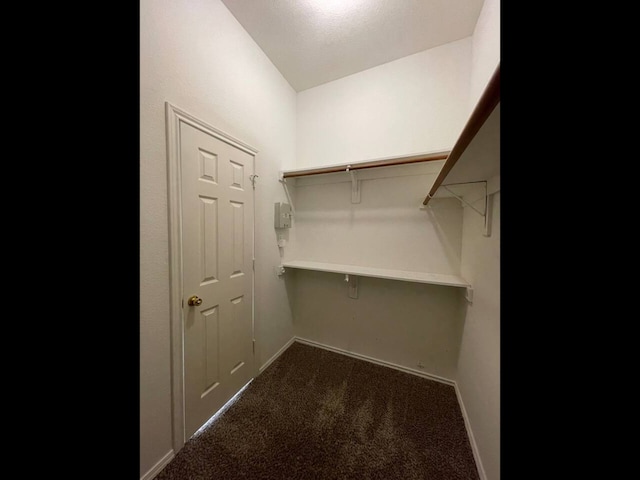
x=194, y=300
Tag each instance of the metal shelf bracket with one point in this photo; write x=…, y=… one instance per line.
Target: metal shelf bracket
x=283, y=181
x=355, y=185
x=487, y=205
x=353, y=285
x=468, y=295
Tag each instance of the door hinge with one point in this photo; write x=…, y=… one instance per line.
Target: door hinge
x=254, y=264
x=183, y=303
x=254, y=347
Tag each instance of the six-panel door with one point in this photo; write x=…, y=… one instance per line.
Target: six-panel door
x=217, y=252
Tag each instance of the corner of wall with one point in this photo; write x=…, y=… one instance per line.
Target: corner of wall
x=157, y=468
x=485, y=48
x=478, y=379
x=472, y=439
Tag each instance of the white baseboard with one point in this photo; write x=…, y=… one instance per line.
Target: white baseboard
x=472, y=440
x=277, y=354
x=366, y=358
x=155, y=470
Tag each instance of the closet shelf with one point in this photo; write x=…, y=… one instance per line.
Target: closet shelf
x=475, y=157
x=417, y=277
x=360, y=165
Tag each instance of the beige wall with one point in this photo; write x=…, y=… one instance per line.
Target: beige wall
x=479, y=362
x=485, y=49
x=415, y=104
x=387, y=229
x=412, y=325
x=194, y=54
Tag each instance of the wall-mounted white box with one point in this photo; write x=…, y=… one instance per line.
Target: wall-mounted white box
x=282, y=215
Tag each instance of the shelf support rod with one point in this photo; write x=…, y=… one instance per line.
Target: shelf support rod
x=483, y=214
x=488, y=201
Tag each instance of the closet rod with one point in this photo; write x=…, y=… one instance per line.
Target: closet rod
x=429, y=157
x=487, y=102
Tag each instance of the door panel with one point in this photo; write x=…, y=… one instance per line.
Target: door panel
x=237, y=215
x=209, y=242
x=211, y=348
x=217, y=240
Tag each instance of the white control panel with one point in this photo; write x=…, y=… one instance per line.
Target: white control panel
x=282, y=215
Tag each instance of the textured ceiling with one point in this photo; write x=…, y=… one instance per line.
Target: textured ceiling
x=316, y=41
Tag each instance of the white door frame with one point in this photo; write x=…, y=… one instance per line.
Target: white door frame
x=174, y=116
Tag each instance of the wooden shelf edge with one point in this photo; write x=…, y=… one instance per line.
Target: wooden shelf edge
x=486, y=104
x=383, y=162
x=388, y=274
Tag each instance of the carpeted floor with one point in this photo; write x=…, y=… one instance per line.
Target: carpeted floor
x=315, y=414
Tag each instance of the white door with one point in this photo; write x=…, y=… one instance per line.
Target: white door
x=217, y=253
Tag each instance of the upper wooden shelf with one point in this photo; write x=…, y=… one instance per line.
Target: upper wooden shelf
x=381, y=162
x=474, y=157
x=476, y=154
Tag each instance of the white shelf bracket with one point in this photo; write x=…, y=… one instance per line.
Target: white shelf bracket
x=353, y=286
x=488, y=202
x=482, y=214
x=355, y=186
x=283, y=181
x=469, y=294
x=487, y=207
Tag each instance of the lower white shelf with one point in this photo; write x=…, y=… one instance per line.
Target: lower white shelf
x=418, y=277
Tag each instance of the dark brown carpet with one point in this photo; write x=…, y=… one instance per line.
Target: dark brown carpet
x=315, y=414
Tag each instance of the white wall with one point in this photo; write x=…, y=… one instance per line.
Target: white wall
x=485, y=49
x=414, y=325
x=387, y=229
x=399, y=322
x=479, y=362
x=194, y=54
x=415, y=104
